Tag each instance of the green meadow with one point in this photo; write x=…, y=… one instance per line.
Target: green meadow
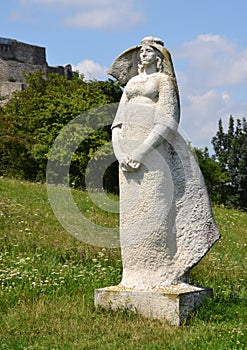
x=48, y=277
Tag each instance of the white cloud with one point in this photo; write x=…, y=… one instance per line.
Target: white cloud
x=16, y=16
x=96, y=14
x=200, y=114
x=214, y=70
x=91, y=70
x=114, y=17
x=80, y=3
x=215, y=60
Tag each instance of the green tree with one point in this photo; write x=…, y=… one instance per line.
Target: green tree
x=213, y=174
x=34, y=117
x=13, y=149
x=231, y=154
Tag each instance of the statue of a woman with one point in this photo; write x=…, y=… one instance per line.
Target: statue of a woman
x=166, y=224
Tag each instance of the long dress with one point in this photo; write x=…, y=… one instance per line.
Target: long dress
x=166, y=223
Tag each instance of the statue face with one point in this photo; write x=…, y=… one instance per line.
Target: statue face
x=147, y=55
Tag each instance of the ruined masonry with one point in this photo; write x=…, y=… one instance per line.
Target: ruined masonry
x=17, y=57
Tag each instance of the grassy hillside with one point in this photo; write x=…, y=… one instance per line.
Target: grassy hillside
x=48, y=277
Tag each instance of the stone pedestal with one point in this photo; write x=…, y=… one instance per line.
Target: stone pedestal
x=173, y=303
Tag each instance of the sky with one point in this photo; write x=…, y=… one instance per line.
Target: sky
x=207, y=41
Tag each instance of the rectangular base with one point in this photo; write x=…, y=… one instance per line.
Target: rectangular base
x=173, y=303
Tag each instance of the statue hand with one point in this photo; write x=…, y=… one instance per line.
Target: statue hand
x=129, y=165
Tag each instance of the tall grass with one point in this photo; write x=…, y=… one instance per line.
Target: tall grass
x=47, y=280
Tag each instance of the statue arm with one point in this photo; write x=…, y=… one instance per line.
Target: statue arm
x=166, y=119
x=153, y=140
x=117, y=128
x=116, y=137
x=126, y=163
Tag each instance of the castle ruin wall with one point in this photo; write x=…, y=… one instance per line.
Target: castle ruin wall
x=14, y=70
x=14, y=50
x=16, y=58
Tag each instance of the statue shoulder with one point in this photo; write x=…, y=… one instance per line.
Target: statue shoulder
x=164, y=78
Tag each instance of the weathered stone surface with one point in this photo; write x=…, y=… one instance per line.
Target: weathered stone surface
x=173, y=303
x=125, y=66
x=17, y=57
x=166, y=222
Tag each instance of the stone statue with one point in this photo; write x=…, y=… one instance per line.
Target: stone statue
x=166, y=223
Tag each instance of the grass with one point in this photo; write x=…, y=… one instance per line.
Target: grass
x=47, y=280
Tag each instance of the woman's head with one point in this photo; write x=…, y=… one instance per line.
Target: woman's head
x=128, y=64
x=150, y=55
x=151, y=52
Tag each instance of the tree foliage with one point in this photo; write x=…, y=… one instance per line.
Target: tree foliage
x=231, y=154
x=214, y=176
x=34, y=117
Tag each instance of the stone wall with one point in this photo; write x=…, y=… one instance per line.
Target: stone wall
x=8, y=87
x=6, y=90
x=17, y=57
x=14, y=50
x=13, y=70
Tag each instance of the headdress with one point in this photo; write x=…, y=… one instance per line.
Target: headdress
x=154, y=42
x=125, y=66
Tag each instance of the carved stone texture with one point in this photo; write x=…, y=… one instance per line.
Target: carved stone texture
x=17, y=57
x=125, y=66
x=166, y=222
x=173, y=304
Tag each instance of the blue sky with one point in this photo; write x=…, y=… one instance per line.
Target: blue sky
x=207, y=41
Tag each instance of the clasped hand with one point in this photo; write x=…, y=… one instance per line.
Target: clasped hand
x=131, y=163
